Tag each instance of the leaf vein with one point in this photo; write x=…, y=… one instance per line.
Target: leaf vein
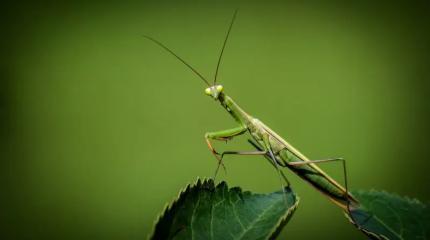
x=192, y=216
x=255, y=221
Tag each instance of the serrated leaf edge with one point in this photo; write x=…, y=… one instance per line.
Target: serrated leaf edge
x=395, y=195
x=198, y=182
x=168, y=206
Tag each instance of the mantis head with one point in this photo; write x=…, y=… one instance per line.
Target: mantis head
x=214, y=91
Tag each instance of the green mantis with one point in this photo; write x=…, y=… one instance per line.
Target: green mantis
x=267, y=142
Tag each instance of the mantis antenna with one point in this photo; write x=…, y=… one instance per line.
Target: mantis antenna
x=223, y=46
x=179, y=58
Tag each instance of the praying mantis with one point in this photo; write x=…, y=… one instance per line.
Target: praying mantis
x=267, y=142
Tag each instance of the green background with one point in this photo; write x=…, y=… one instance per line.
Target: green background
x=100, y=128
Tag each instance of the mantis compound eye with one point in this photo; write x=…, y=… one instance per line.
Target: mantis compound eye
x=208, y=91
x=219, y=88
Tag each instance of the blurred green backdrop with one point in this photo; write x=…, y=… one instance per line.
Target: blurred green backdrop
x=100, y=128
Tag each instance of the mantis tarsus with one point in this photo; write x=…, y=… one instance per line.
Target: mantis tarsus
x=268, y=143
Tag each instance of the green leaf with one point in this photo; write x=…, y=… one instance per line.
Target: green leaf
x=382, y=215
x=206, y=211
